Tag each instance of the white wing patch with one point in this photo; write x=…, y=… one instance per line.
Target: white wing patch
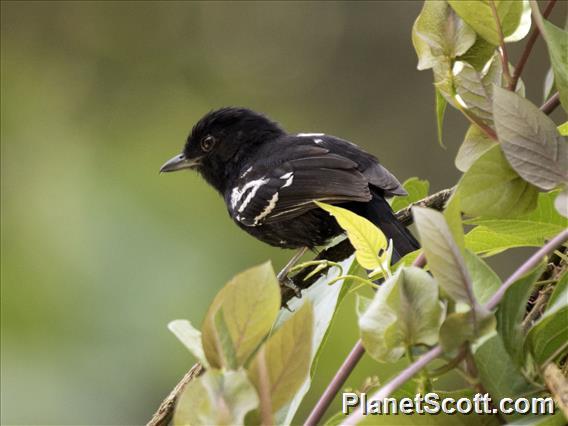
x=267, y=209
x=237, y=193
x=318, y=141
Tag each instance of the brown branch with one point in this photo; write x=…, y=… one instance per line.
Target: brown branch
x=335, y=253
x=551, y=104
x=166, y=410
x=528, y=47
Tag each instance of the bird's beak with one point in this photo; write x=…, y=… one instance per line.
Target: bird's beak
x=178, y=162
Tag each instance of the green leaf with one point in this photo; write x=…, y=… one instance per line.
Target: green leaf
x=528, y=230
x=416, y=189
x=216, y=398
x=563, y=129
x=548, y=86
x=510, y=314
x=441, y=105
x=240, y=316
x=287, y=354
x=557, y=43
x=498, y=374
x=485, y=281
x=453, y=216
x=325, y=300
x=367, y=239
x=478, y=14
x=460, y=327
x=405, y=311
x=443, y=255
x=475, y=144
x=475, y=88
x=190, y=337
x=560, y=291
x=492, y=188
x=479, y=54
x=439, y=32
x=561, y=202
x=548, y=337
x=530, y=140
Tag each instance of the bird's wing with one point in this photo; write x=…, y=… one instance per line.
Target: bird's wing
x=265, y=194
x=376, y=174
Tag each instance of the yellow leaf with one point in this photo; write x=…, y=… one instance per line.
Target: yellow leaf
x=367, y=239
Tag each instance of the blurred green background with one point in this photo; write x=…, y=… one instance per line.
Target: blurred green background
x=99, y=252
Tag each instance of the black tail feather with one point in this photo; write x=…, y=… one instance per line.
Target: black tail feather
x=380, y=213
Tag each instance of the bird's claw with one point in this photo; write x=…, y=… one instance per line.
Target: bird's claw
x=288, y=283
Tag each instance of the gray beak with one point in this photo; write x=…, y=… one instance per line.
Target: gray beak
x=178, y=162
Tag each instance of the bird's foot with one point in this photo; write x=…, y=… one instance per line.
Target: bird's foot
x=286, y=282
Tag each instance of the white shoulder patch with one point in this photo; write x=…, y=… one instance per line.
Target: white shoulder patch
x=309, y=135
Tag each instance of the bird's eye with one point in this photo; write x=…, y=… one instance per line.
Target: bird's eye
x=207, y=143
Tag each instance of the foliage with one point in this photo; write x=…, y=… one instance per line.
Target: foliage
x=512, y=193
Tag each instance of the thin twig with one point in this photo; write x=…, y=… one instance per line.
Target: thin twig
x=551, y=104
x=166, y=410
x=336, y=383
x=528, y=47
x=502, y=50
x=435, y=352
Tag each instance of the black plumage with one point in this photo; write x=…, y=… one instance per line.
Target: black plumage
x=269, y=179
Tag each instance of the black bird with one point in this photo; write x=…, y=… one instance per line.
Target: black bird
x=269, y=179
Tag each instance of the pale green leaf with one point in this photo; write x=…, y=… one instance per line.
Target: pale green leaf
x=190, y=337
x=492, y=188
x=530, y=140
x=325, y=301
x=563, y=129
x=498, y=373
x=548, y=86
x=443, y=255
x=475, y=144
x=485, y=281
x=460, y=327
x=439, y=32
x=475, y=88
x=479, y=54
x=416, y=188
x=530, y=230
x=246, y=309
x=441, y=105
x=288, y=355
x=561, y=202
x=365, y=237
x=453, y=216
x=510, y=314
x=560, y=293
x=216, y=398
x=405, y=311
x=478, y=14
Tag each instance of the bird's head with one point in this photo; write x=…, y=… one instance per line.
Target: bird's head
x=221, y=140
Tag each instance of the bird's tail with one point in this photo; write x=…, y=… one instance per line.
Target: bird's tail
x=380, y=213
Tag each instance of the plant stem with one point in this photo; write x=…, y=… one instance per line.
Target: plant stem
x=336, y=383
x=502, y=51
x=551, y=104
x=528, y=47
